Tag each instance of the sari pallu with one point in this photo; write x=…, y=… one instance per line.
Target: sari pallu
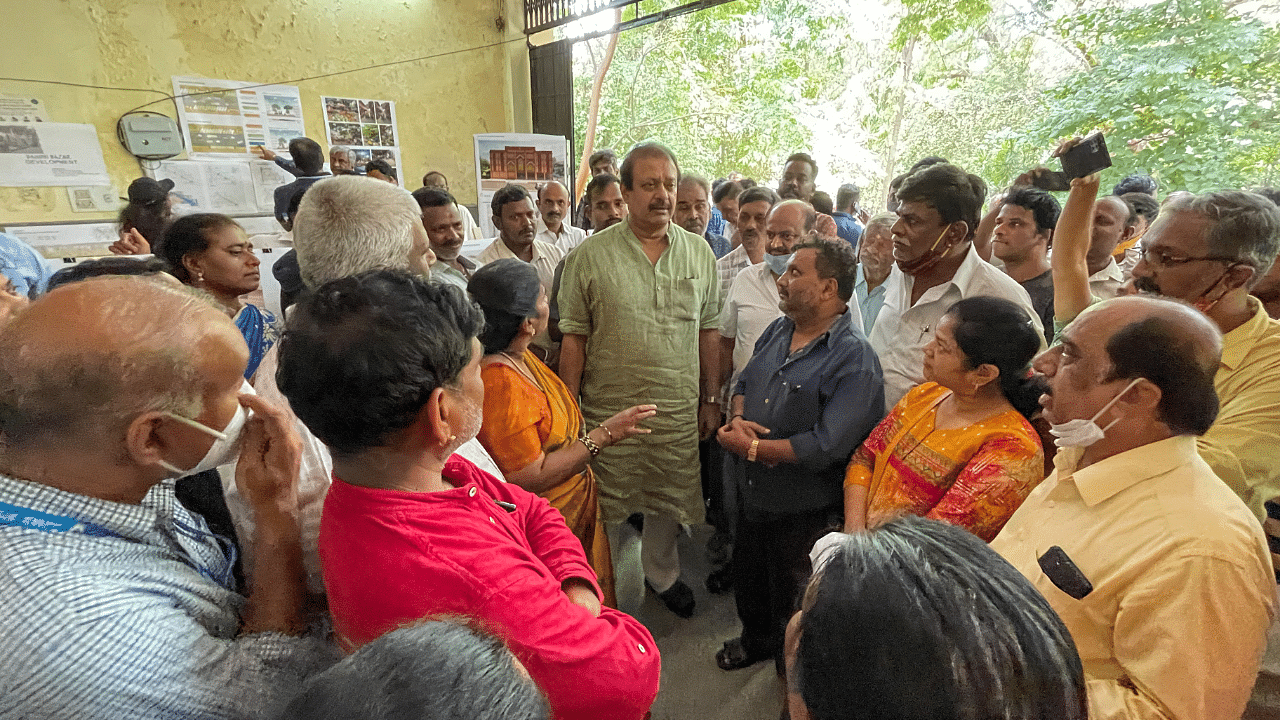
x=522, y=421
x=258, y=328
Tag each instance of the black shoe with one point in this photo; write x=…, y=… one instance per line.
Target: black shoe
x=720, y=580
x=719, y=548
x=636, y=520
x=678, y=598
x=735, y=656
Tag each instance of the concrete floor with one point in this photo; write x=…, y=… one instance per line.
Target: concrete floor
x=693, y=688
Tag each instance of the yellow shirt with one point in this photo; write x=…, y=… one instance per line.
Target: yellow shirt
x=1183, y=590
x=1243, y=446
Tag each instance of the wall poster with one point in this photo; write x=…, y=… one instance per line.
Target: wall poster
x=222, y=119
x=368, y=127
x=528, y=160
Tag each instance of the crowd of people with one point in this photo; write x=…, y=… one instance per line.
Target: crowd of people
x=976, y=455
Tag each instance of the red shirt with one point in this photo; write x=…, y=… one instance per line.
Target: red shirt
x=392, y=557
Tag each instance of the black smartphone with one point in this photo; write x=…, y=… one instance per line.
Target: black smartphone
x=1087, y=158
x=1064, y=574
x=1047, y=179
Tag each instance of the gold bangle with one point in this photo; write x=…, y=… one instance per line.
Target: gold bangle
x=590, y=444
x=610, y=434
x=751, y=454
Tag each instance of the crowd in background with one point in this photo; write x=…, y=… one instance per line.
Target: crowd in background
x=976, y=454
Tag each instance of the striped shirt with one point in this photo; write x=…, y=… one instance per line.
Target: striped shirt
x=114, y=610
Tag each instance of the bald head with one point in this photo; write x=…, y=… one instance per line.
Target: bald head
x=1169, y=343
x=553, y=205
x=86, y=358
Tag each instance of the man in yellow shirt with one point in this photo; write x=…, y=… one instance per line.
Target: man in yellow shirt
x=1159, y=571
x=1209, y=250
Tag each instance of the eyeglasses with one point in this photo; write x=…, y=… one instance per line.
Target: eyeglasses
x=1161, y=259
x=786, y=237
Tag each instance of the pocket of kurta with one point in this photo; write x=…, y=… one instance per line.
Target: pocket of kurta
x=680, y=298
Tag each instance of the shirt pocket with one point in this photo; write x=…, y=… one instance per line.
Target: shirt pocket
x=679, y=298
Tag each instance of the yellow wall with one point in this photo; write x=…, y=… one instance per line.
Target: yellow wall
x=440, y=102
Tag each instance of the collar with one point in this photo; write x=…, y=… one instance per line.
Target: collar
x=838, y=324
x=93, y=515
x=1237, y=343
x=542, y=228
x=1111, y=272
x=962, y=278
x=505, y=252
x=1108, y=478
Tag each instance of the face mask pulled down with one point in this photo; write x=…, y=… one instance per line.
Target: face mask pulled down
x=1081, y=433
x=777, y=263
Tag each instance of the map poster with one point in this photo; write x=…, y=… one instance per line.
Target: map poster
x=232, y=187
x=224, y=119
x=368, y=127
x=528, y=160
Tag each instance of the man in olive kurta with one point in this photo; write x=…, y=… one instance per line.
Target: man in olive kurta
x=639, y=305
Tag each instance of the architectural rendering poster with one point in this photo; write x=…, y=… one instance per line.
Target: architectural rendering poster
x=527, y=160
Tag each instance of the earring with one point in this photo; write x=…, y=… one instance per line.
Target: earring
x=452, y=438
x=199, y=277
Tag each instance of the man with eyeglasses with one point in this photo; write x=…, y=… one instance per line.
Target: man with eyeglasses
x=1209, y=250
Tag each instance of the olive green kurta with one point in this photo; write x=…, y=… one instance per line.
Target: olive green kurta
x=642, y=321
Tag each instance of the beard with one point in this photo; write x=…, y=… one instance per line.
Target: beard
x=472, y=419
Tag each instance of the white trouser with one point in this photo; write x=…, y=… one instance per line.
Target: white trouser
x=653, y=556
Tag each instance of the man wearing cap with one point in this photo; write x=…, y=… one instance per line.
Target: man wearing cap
x=144, y=220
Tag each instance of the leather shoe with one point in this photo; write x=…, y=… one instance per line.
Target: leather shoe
x=678, y=598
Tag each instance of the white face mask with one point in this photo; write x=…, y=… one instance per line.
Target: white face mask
x=226, y=443
x=1080, y=433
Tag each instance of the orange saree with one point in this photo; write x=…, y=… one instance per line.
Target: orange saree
x=522, y=421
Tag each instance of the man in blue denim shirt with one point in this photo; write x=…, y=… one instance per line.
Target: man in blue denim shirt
x=812, y=392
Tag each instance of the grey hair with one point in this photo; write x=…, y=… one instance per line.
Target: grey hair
x=884, y=219
x=1243, y=225
x=51, y=390
x=347, y=224
x=339, y=148
x=699, y=181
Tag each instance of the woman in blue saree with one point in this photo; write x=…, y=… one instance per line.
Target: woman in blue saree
x=212, y=252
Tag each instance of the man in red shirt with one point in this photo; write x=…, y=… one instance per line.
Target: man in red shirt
x=384, y=367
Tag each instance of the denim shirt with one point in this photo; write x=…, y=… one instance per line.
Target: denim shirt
x=825, y=398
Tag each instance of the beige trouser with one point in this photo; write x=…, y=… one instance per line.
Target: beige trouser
x=652, y=555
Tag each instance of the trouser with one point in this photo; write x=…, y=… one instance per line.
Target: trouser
x=652, y=555
x=770, y=570
x=712, y=457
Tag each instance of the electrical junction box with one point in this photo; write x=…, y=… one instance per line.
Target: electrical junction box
x=151, y=137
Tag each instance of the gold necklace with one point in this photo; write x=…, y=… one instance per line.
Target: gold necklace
x=519, y=367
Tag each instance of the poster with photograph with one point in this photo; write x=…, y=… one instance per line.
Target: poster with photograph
x=20, y=108
x=527, y=160
x=222, y=119
x=51, y=154
x=368, y=127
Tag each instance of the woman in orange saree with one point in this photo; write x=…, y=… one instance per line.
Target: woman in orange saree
x=532, y=426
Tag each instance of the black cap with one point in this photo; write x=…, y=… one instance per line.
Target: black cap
x=509, y=284
x=148, y=191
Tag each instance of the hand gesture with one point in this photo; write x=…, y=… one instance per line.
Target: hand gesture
x=825, y=227
x=270, y=453
x=262, y=152
x=131, y=242
x=624, y=424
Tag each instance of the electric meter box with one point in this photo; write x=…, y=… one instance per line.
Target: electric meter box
x=151, y=136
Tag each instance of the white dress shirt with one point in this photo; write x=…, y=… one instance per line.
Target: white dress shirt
x=1105, y=284
x=569, y=238
x=902, y=329
x=545, y=258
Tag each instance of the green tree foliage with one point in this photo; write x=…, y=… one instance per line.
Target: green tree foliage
x=723, y=87
x=1185, y=90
